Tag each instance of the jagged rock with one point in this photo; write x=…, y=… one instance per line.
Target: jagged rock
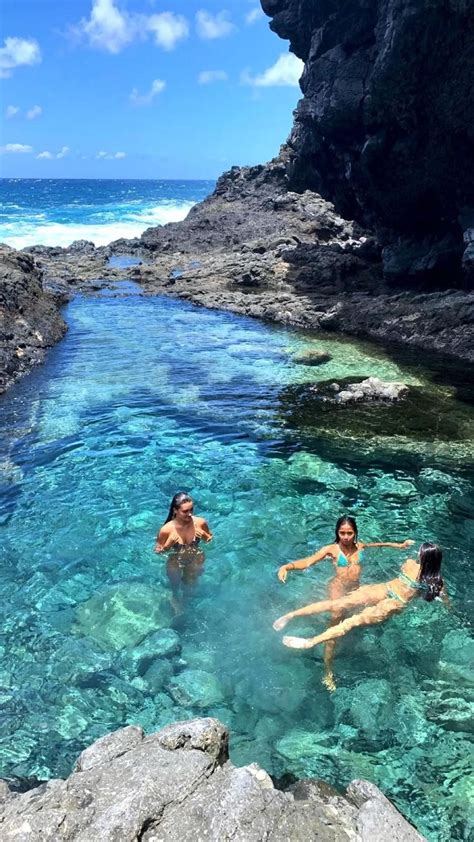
x=384, y=128
x=366, y=391
x=30, y=321
x=178, y=784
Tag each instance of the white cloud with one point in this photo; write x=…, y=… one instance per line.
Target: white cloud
x=207, y=76
x=110, y=29
x=213, y=26
x=34, y=112
x=11, y=111
x=286, y=71
x=168, y=29
x=48, y=156
x=15, y=148
x=157, y=86
x=255, y=14
x=110, y=156
x=107, y=28
x=18, y=51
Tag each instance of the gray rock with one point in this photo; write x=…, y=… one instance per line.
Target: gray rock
x=178, y=784
x=30, y=321
x=311, y=357
x=196, y=688
x=378, y=820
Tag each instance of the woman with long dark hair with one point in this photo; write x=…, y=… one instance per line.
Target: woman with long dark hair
x=347, y=556
x=181, y=533
x=420, y=577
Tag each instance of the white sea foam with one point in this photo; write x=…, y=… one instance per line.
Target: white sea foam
x=27, y=232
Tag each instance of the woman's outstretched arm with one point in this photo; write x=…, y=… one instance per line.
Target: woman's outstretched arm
x=303, y=563
x=396, y=545
x=368, y=617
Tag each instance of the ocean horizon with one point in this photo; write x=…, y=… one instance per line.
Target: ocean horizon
x=58, y=211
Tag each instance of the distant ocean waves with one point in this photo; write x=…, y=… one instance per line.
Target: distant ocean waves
x=55, y=212
x=35, y=228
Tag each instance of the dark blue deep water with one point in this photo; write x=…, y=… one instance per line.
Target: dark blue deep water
x=146, y=396
x=55, y=212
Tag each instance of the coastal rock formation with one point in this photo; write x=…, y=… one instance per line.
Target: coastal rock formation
x=256, y=248
x=385, y=126
x=30, y=321
x=179, y=784
x=371, y=390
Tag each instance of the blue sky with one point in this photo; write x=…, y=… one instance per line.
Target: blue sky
x=141, y=88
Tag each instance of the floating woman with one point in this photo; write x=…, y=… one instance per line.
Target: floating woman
x=181, y=533
x=347, y=555
x=421, y=577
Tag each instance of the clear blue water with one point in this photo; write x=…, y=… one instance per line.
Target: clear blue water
x=146, y=396
x=55, y=212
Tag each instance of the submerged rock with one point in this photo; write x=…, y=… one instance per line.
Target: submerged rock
x=124, y=614
x=178, y=784
x=196, y=688
x=311, y=357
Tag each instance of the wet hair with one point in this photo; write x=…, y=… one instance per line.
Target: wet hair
x=342, y=522
x=179, y=498
x=430, y=556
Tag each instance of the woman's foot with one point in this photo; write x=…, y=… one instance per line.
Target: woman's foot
x=280, y=624
x=329, y=682
x=297, y=642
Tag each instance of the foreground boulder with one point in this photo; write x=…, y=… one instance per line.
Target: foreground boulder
x=30, y=321
x=179, y=784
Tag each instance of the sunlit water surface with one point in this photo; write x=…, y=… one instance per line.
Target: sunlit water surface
x=147, y=396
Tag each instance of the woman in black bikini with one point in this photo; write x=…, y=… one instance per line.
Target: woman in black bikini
x=181, y=533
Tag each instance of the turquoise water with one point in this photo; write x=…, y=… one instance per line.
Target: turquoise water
x=146, y=396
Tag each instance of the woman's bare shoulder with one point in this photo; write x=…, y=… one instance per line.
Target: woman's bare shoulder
x=167, y=528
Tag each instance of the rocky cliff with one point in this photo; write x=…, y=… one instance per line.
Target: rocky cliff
x=179, y=784
x=30, y=321
x=385, y=128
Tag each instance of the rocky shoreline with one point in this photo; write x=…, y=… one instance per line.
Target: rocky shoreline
x=257, y=249
x=179, y=784
x=30, y=321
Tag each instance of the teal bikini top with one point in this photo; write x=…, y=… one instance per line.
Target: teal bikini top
x=342, y=561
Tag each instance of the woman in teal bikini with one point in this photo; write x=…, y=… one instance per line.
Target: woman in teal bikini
x=421, y=577
x=346, y=554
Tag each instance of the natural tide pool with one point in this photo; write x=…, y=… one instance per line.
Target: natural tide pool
x=147, y=396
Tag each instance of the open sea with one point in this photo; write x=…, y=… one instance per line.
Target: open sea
x=146, y=396
x=55, y=212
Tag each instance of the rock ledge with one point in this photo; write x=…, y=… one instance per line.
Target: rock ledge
x=179, y=784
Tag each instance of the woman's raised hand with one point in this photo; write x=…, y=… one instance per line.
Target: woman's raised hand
x=408, y=543
x=282, y=573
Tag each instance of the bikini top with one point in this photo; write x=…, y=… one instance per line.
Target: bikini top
x=342, y=561
x=178, y=543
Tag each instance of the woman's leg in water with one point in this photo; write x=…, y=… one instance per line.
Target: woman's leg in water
x=366, y=595
x=337, y=588
x=175, y=577
x=368, y=617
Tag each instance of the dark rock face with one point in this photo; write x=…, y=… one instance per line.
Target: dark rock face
x=30, y=321
x=179, y=784
x=386, y=126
